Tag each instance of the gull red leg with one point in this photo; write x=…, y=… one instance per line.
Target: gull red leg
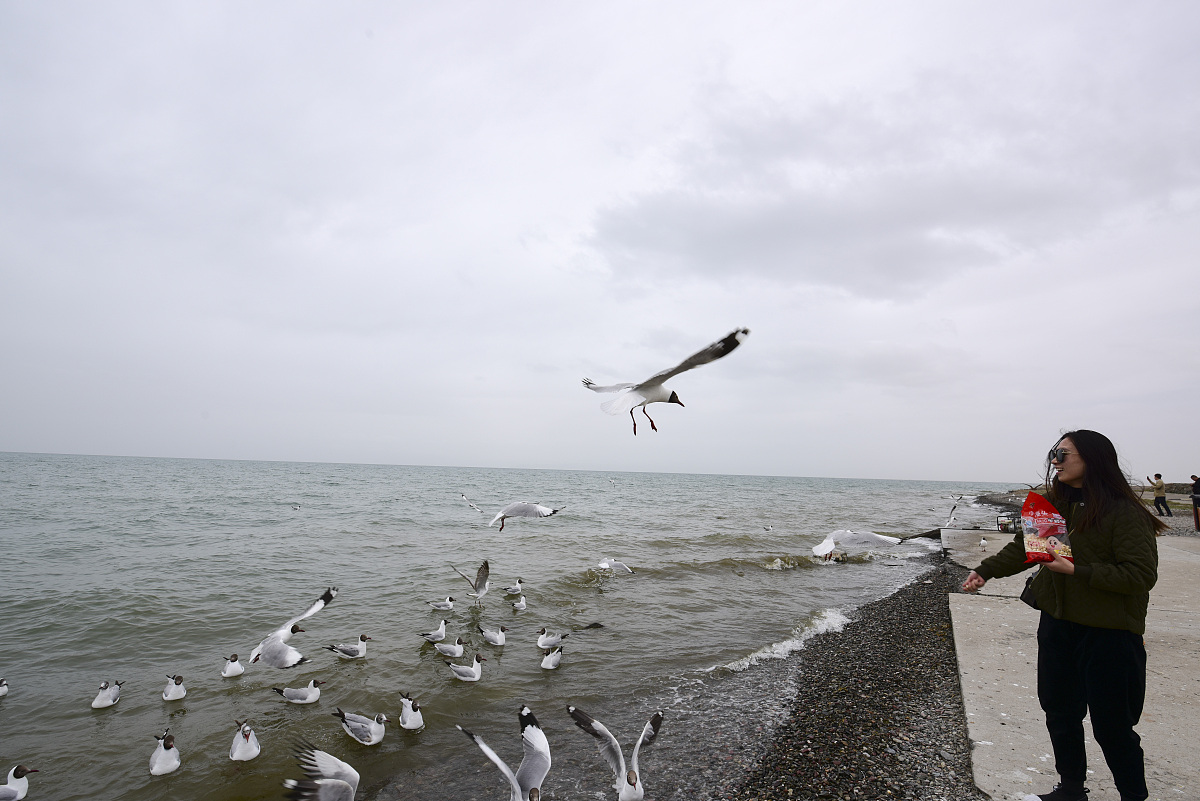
x=634, y=419
x=648, y=417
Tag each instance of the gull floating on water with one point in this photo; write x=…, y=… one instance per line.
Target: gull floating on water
x=479, y=585
x=274, y=651
x=3, y=688
x=515, y=589
x=166, y=756
x=519, y=604
x=355, y=650
x=551, y=658
x=493, y=636
x=368, y=731
x=438, y=634
x=328, y=778
x=453, y=650
x=857, y=539
x=548, y=640
x=301, y=695
x=109, y=694
x=17, y=785
x=608, y=563
x=470, y=672
x=526, y=783
x=627, y=783
x=632, y=395
x=174, y=689
x=521, y=509
x=410, y=715
x=443, y=606
x=232, y=667
x=245, y=743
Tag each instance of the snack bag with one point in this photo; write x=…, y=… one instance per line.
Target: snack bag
x=1045, y=530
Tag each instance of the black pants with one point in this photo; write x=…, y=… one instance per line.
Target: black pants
x=1102, y=671
x=1158, y=499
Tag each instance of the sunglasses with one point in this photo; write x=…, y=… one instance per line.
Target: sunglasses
x=1059, y=454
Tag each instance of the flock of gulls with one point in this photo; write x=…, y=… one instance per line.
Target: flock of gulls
x=328, y=778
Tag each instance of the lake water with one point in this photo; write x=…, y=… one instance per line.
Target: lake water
x=131, y=569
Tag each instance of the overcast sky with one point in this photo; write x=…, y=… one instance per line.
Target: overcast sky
x=403, y=232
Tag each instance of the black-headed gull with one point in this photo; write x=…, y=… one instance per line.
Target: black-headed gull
x=368, y=731
x=443, y=606
x=354, y=650
x=301, y=695
x=608, y=563
x=109, y=694
x=552, y=658
x=174, y=689
x=526, y=783
x=410, y=713
x=438, y=634
x=515, y=589
x=245, y=743
x=473, y=506
x=519, y=604
x=166, y=756
x=522, y=509
x=17, y=785
x=328, y=778
x=274, y=650
x=548, y=640
x=232, y=667
x=631, y=396
x=3, y=688
x=852, y=539
x=627, y=783
x=479, y=585
x=452, y=649
x=493, y=636
x=470, y=672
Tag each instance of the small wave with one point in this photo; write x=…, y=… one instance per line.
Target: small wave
x=826, y=621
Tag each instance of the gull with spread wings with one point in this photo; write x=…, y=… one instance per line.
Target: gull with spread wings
x=480, y=584
x=631, y=396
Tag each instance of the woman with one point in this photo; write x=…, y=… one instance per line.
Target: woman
x=1090, y=650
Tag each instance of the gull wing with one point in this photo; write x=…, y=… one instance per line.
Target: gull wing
x=318, y=764
x=317, y=606
x=718, y=349
x=649, y=732
x=481, y=576
x=536, y=763
x=594, y=387
x=610, y=749
x=490, y=754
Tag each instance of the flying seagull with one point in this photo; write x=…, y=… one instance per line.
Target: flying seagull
x=480, y=584
x=473, y=506
x=520, y=509
x=631, y=396
x=627, y=783
x=328, y=778
x=275, y=651
x=526, y=783
x=857, y=539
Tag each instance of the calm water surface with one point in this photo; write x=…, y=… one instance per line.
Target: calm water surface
x=131, y=569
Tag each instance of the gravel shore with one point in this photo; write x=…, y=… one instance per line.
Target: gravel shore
x=878, y=709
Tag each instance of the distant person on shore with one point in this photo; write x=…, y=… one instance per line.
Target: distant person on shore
x=1091, y=656
x=1160, y=494
x=1196, y=502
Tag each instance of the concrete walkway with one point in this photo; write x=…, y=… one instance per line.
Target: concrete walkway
x=995, y=635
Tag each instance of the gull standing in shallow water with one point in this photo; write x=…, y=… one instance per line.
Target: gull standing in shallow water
x=480, y=584
x=627, y=783
x=328, y=778
x=109, y=694
x=245, y=743
x=526, y=783
x=356, y=650
x=17, y=785
x=368, y=731
x=166, y=756
x=301, y=695
x=522, y=509
x=274, y=651
x=631, y=396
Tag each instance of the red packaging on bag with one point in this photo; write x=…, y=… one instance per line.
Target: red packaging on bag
x=1045, y=530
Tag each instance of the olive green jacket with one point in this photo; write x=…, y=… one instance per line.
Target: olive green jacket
x=1116, y=564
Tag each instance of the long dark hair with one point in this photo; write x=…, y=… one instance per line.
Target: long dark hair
x=1105, y=486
